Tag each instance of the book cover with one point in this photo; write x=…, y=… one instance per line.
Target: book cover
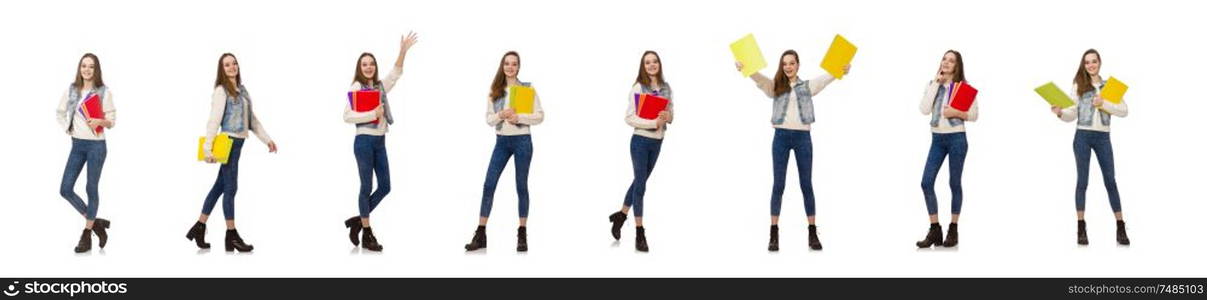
x=963, y=96
x=746, y=51
x=1113, y=90
x=366, y=100
x=1056, y=97
x=650, y=106
x=840, y=54
x=222, y=148
x=521, y=98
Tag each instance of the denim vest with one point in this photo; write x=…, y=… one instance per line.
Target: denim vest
x=501, y=103
x=73, y=101
x=942, y=98
x=377, y=86
x=1086, y=109
x=232, y=115
x=804, y=102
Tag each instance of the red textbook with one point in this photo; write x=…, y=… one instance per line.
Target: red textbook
x=92, y=109
x=648, y=106
x=363, y=101
x=962, y=96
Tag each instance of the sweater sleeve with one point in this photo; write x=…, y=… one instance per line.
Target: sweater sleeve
x=217, y=107
x=492, y=116
x=928, y=98
x=391, y=79
x=819, y=83
x=109, y=108
x=764, y=84
x=64, y=122
x=257, y=127
x=1118, y=110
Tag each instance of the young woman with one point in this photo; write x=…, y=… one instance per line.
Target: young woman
x=512, y=137
x=947, y=139
x=87, y=146
x=231, y=111
x=370, y=143
x=1093, y=117
x=791, y=116
x=645, y=144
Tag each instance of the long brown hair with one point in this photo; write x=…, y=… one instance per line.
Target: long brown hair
x=782, y=83
x=642, y=77
x=96, y=74
x=1084, y=82
x=231, y=90
x=360, y=77
x=500, y=82
x=957, y=72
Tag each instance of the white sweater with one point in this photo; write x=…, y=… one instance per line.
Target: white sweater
x=354, y=117
x=644, y=127
x=1070, y=114
x=927, y=105
x=79, y=124
x=217, y=108
x=536, y=117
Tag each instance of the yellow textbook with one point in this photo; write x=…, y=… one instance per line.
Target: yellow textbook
x=521, y=98
x=746, y=51
x=1113, y=90
x=1054, y=95
x=222, y=148
x=840, y=54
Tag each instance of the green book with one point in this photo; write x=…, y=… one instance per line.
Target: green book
x=1054, y=95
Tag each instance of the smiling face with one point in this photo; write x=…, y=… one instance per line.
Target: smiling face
x=1091, y=63
x=788, y=63
x=948, y=64
x=230, y=67
x=88, y=69
x=511, y=66
x=368, y=66
x=651, y=64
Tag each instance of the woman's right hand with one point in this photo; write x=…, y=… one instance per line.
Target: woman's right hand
x=380, y=111
x=209, y=159
x=1056, y=110
x=738, y=64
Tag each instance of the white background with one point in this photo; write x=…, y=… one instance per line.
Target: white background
x=707, y=202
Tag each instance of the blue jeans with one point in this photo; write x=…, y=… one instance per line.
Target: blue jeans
x=91, y=153
x=227, y=184
x=800, y=142
x=954, y=145
x=505, y=147
x=371, y=158
x=644, y=152
x=1100, y=143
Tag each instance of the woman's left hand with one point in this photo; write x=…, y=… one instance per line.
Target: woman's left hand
x=272, y=147
x=949, y=112
x=99, y=123
x=1098, y=101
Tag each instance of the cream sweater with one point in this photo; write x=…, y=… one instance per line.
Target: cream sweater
x=78, y=125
